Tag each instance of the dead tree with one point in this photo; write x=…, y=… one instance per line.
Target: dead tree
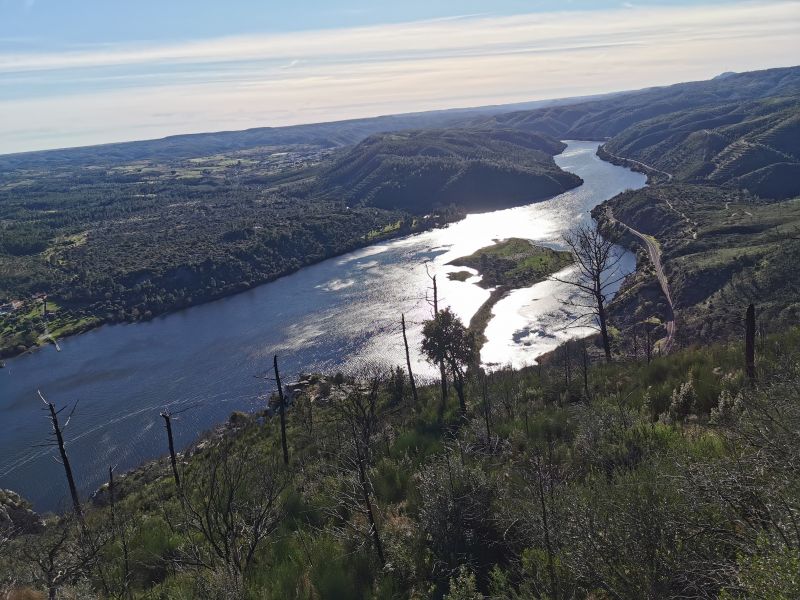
x=487, y=409
x=119, y=529
x=233, y=507
x=282, y=411
x=58, y=433
x=361, y=420
x=167, y=416
x=585, y=354
x=750, y=342
x=408, y=360
x=61, y=556
x=442, y=368
x=597, y=271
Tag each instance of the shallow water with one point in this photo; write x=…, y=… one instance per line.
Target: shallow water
x=337, y=315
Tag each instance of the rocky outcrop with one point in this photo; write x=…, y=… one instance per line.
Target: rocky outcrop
x=17, y=516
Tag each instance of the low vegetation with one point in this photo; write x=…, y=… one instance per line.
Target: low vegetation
x=720, y=249
x=671, y=478
x=750, y=145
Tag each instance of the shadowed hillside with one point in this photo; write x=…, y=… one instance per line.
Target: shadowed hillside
x=752, y=145
x=475, y=170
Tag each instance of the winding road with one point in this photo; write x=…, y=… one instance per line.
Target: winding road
x=654, y=253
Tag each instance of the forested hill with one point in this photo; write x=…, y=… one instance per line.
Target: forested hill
x=753, y=145
x=473, y=169
x=604, y=118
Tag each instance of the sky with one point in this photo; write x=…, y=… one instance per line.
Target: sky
x=79, y=72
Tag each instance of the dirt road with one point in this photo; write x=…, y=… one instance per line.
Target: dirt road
x=654, y=252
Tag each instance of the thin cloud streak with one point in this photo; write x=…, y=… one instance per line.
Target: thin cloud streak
x=116, y=93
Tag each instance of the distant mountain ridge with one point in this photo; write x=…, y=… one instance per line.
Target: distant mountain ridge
x=605, y=118
x=588, y=117
x=329, y=134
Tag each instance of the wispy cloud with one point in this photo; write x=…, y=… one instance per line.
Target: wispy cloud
x=124, y=90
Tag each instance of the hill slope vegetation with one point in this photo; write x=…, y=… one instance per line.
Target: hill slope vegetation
x=474, y=170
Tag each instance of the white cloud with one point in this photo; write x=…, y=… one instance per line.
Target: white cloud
x=123, y=92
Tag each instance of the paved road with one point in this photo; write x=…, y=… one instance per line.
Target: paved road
x=641, y=164
x=654, y=252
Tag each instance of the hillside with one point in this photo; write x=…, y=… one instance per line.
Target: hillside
x=663, y=479
x=130, y=240
x=474, y=170
x=604, y=118
x=721, y=249
x=752, y=145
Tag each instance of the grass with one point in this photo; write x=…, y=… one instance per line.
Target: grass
x=515, y=263
x=505, y=266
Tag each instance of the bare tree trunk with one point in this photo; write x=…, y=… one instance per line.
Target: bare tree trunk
x=546, y=526
x=442, y=370
x=649, y=347
x=486, y=408
x=73, y=490
x=408, y=360
x=458, y=383
x=585, y=370
x=168, y=424
x=282, y=411
x=601, y=313
x=376, y=538
x=123, y=538
x=750, y=342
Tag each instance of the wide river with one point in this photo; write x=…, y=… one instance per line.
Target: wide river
x=335, y=315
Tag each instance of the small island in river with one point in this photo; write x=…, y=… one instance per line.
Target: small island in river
x=505, y=266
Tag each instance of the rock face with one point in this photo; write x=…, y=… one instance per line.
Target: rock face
x=17, y=516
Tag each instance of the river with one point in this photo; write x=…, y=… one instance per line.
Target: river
x=336, y=315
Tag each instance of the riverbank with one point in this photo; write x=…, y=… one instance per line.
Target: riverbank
x=28, y=330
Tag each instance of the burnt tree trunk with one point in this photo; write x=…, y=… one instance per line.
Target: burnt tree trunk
x=601, y=314
x=750, y=342
x=486, y=407
x=282, y=411
x=171, y=442
x=442, y=369
x=408, y=360
x=114, y=530
x=365, y=495
x=585, y=371
x=73, y=490
x=458, y=383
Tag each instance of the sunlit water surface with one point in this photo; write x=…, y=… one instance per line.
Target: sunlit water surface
x=337, y=315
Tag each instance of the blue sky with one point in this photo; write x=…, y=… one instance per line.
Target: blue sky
x=62, y=23
x=92, y=71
